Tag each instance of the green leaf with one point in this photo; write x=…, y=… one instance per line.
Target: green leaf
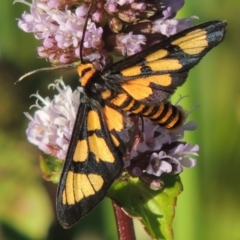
x=155, y=209
x=51, y=168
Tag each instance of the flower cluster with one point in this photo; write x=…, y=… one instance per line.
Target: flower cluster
x=154, y=152
x=161, y=152
x=51, y=127
x=122, y=27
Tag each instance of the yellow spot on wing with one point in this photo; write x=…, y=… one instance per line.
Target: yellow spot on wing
x=138, y=88
x=193, y=43
x=106, y=94
x=165, y=65
x=100, y=149
x=132, y=71
x=96, y=181
x=157, y=55
x=162, y=80
x=64, y=199
x=85, y=185
x=114, y=119
x=156, y=65
x=78, y=183
x=81, y=151
x=93, y=121
x=115, y=141
x=69, y=189
x=82, y=183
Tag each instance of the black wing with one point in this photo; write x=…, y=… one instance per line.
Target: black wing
x=93, y=162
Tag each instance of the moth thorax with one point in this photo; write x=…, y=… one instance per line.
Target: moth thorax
x=86, y=72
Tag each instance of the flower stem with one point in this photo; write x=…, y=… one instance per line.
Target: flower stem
x=124, y=223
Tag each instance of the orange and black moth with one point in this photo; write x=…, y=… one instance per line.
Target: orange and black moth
x=140, y=84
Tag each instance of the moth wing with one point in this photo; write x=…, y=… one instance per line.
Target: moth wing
x=94, y=160
x=153, y=74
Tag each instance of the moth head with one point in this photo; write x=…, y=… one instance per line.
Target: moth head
x=86, y=72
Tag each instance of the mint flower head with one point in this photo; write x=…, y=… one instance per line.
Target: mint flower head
x=160, y=152
x=154, y=151
x=122, y=27
x=51, y=127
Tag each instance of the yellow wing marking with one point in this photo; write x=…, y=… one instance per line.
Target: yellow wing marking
x=79, y=186
x=106, y=94
x=156, y=65
x=140, y=88
x=82, y=186
x=193, y=43
x=93, y=121
x=64, y=198
x=69, y=192
x=81, y=151
x=115, y=141
x=100, y=149
x=165, y=65
x=132, y=71
x=163, y=80
x=157, y=55
x=96, y=181
x=114, y=119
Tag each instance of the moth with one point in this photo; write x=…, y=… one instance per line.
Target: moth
x=141, y=85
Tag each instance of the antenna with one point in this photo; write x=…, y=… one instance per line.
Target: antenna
x=84, y=31
x=45, y=69
x=72, y=65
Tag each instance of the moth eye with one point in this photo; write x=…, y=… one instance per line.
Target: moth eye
x=98, y=86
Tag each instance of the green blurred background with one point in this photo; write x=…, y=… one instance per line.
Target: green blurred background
x=209, y=207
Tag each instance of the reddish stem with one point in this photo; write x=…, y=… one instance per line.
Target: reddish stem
x=124, y=223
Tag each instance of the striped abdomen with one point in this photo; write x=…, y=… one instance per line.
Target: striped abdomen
x=165, y=114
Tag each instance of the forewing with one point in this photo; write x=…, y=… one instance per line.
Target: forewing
x=152, y=75
x=93, y=161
